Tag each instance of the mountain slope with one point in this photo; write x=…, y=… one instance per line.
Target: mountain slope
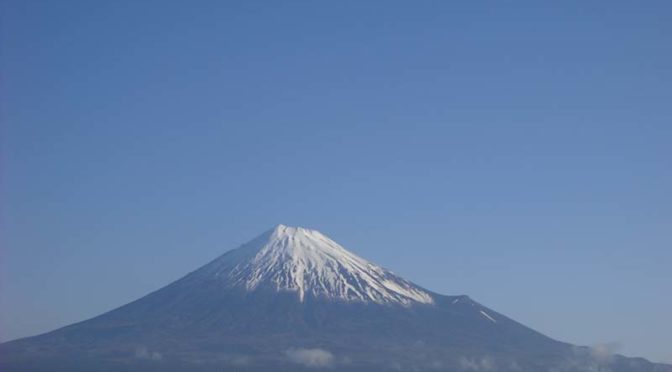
x=293, y=299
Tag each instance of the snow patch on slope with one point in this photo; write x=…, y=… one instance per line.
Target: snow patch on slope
x=488, y=316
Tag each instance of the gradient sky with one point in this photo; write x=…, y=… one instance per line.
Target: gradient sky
x=518, y=152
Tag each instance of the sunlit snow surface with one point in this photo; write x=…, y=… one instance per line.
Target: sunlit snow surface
x=488, y=316
x=309, y=263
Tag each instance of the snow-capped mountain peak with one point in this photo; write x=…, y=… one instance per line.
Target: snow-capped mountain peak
x=309, y=263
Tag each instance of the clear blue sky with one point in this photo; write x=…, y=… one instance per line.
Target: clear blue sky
x=518, y=152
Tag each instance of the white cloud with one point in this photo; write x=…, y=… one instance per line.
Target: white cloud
x=603, y=352
x=483, y=364
x=311, y=357
x=143, y=353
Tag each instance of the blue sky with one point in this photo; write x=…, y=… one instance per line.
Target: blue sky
x=518, y=152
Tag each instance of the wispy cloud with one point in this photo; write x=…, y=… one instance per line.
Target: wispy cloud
x=605, y=351
x=477, y=364
x=311, y=357
x=143, y=353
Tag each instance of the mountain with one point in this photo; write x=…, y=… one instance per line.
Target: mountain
x=291, y=300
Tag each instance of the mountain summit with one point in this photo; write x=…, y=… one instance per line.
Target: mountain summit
x=308, y=263
x=294, y=300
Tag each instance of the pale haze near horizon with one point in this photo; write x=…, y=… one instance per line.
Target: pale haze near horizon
x=520, y=155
